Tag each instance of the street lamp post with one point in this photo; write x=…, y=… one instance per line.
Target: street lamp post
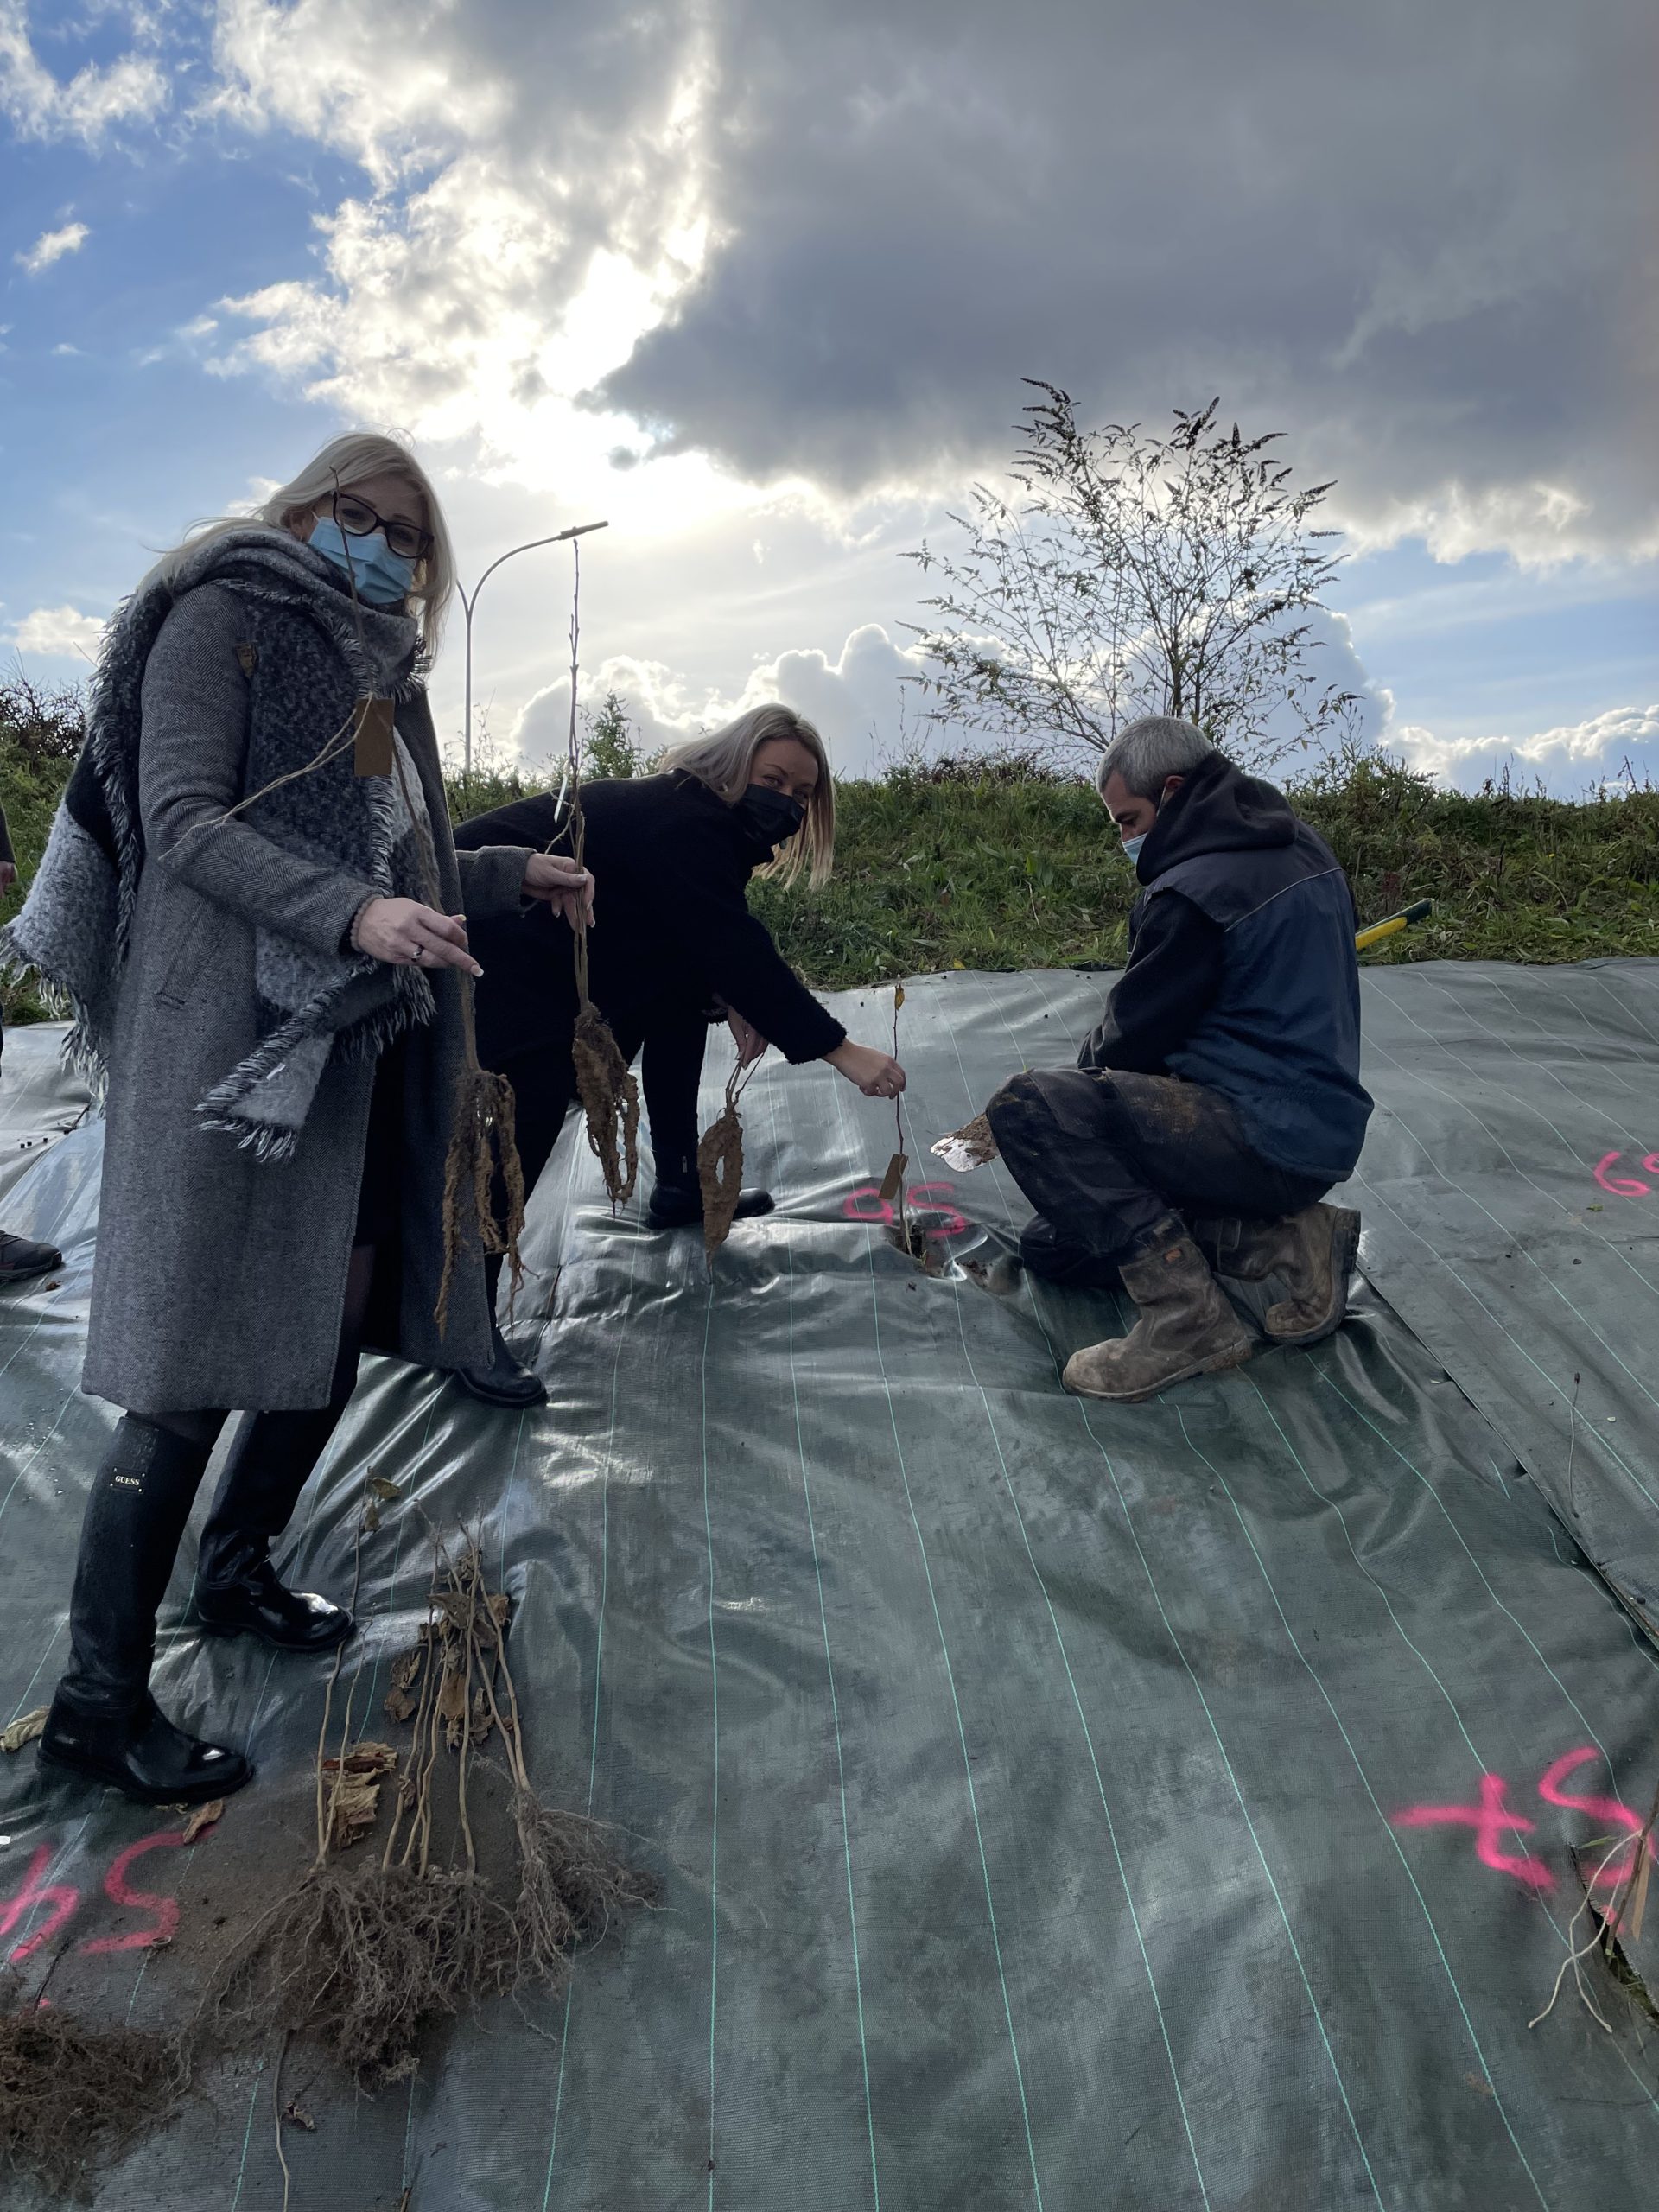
x=469, y=601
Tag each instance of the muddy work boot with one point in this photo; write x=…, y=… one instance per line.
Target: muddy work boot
x=1313, y=1254
x=1186, y=1326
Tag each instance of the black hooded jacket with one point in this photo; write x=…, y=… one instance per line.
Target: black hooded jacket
x=1242, y=971
x=671, y=862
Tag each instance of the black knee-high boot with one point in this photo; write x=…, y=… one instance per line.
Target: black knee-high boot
x=237, y=1589
x=104, y=1721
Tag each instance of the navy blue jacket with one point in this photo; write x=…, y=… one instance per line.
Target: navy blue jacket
x=1241, y=972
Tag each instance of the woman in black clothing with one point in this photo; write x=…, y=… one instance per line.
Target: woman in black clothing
x=674, y=946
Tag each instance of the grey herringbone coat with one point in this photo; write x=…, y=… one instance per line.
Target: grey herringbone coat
x=220, y=1278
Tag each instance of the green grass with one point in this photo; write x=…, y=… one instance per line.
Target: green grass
x=1005, y=870
x=1025, y=874
x=40, y=734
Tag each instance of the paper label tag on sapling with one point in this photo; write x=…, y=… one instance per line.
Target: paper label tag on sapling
x=893, y=1178
x=373, y=736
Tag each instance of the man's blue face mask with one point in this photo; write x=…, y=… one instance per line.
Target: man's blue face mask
x=1132, y=847
x=382, y=578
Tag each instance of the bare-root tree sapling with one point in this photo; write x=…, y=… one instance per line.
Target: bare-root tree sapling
x=608, y=1090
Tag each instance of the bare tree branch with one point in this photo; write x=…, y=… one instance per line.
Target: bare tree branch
x=1139, y=574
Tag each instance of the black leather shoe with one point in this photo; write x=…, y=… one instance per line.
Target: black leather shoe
x=21, y=1259
x=141, y=1754
x=506, y=1381
x=679, y=1205
x=257, y=1604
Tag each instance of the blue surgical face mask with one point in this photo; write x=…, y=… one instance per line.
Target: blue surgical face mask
x=382, y=578
x=1132, y=847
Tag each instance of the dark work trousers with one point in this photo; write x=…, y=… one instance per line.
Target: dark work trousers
x=545, y=1088
x=1105, y=1156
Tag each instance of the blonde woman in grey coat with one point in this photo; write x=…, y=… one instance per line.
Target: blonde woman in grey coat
x=238, y=898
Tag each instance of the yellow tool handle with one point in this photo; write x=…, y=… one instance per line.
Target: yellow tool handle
x=1403, y=921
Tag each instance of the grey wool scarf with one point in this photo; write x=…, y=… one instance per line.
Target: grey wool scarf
x=311, y=652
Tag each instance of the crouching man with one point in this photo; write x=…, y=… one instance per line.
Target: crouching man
x=1219, y=1099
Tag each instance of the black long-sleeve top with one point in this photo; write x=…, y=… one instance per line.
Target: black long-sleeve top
x=672, y=863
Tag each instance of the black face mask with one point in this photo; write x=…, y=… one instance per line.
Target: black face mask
x=770, y=817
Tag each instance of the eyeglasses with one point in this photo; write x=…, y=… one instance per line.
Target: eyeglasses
x=358, y=519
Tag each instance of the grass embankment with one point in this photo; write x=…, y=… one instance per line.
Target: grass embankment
x=40, y=735
x=1024, y=874
x=1005, y=870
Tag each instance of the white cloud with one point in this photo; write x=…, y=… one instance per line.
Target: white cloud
x=822, y=245
x=53, y=245
x=758, y=284
x=1601, y=741
x=131, y=89
x=860, y=702
x=515, y=247
x=59, y=633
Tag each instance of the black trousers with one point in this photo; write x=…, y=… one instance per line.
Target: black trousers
x=1104, y=1157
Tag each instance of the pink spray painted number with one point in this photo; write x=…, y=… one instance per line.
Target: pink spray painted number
x=866, y=1204
x=1625, y=1187
x=1606, y=1811
x=1491, y=1819
x=31, y=1892
x=1488, y=1819
x=119, y=1890
x=60, y=1901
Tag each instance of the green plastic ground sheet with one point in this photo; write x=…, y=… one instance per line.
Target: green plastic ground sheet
x=1056, y=1804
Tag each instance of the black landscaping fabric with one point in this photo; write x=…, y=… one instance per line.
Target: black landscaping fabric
x=1056, y=1804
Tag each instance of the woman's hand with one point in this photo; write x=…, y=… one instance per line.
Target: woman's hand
x=405, y=934
x=566, y=887
x=747, y=1038
x=877, y=1074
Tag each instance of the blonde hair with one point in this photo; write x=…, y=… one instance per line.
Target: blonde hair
x=725, y=761
x=343, y=462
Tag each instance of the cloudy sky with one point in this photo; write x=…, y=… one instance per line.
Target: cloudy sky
x=757, y=280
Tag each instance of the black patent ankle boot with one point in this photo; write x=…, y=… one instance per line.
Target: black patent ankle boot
x=104, y=1722
x=237, y=1590
x=504, y=1379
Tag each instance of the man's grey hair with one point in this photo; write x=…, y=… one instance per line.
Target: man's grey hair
x=1145, y=753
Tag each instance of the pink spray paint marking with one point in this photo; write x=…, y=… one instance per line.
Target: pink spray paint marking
x=919, y=1198
x=852, y=1206
x=1488, y=1820
x=1625, y=1187
x=931, y=1197
x=32, y=1892
x=118, y=1891
x=1607, y=1810
x=64, y=1900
